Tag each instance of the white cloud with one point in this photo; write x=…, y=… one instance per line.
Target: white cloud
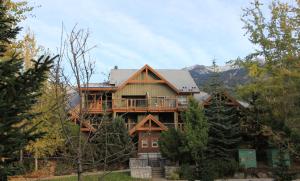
x=165, y=34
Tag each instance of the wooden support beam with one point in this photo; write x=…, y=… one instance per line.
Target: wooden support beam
x=145, y=81
x=176, y=120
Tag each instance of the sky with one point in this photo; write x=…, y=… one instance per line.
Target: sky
x=161, y=33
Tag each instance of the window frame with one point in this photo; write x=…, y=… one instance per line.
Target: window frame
x=144, y=142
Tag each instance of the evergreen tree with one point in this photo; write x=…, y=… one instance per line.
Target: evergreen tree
x=196, y=132
x=224, y=129
x=172, y=145
x=8, y=30
x=224, y=132
x=19, y=91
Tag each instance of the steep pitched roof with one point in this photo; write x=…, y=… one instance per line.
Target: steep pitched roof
x=180, y=79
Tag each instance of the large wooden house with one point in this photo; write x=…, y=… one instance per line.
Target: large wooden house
x=150, y=101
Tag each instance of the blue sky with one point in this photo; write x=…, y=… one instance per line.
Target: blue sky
x=161, y=33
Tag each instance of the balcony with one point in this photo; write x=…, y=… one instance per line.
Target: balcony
x=133, y=105
x=98, y=106
x=141, y=105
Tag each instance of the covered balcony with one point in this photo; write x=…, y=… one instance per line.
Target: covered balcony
x=96, y=104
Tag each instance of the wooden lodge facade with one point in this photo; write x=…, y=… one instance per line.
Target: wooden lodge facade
x=149, y=100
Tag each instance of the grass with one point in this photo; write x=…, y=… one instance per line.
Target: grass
x=114, y=176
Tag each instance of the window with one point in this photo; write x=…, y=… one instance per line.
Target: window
x=155, y=143
x=144, y=143
x=182, y=100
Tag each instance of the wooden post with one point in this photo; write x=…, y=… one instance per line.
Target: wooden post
x=176, y=120
x=114, y=115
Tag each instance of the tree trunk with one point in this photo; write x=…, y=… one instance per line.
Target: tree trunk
x=79, y=154
x=36, y=163
x=21, y=156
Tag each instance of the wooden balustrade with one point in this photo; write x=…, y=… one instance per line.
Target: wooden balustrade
x=133, y=105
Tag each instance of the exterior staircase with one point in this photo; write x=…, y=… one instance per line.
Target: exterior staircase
x=157, y=168
x=157, y=172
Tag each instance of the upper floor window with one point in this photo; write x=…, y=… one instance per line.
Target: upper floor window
x=182, y=100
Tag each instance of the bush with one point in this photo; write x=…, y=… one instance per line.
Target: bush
x=212, y=169
x=187, y=172
x=174, y=176
x=282, y=172
x=18, y=168
x=64, y=167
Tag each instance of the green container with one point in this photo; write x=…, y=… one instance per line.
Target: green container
x=273, y=157
x=247, y=158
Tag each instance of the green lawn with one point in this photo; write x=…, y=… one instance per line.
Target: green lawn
x=120, y=176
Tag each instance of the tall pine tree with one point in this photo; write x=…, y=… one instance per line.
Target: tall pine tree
x=224, y=131
x=19, y=90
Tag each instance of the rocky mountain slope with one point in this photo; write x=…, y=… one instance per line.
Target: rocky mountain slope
x=230, y=76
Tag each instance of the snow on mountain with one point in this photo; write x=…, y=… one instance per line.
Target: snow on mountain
x=202, y=69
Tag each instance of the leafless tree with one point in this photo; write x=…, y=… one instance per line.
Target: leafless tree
x=72, y=71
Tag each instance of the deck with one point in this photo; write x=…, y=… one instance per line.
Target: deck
x=134, y=105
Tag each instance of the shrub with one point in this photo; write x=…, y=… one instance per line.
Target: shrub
x=64, y=167
x=187, y=172
x=281, y=172
x=212, y=169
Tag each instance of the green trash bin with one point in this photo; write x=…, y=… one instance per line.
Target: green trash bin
x=247, y=158
x=273, y=157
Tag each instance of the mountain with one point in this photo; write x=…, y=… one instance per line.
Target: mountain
x=231, y=76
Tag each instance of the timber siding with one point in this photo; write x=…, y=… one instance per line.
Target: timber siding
x=141, y=89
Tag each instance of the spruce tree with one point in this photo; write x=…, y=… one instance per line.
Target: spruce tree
x=224, y=131
x=19, y=90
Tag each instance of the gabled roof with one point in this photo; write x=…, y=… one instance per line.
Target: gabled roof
x=204, y=99
x=147, y=68
x=141, y=124
x=180, y=79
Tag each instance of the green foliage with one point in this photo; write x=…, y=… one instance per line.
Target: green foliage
x=8, y=28
x=223, y=119
x=213, y=169
x=64, y=167
x=224, y=131
x=187, y=172
x=124, y=176
x=172, y=145
x=47, y=123
x=174, y=176
x=112, y=142
x=196, y=129
x=196, y=132
x=281, y=171
x=275, y=79
x=19, y=91
x=187, y=147
x=109, y=144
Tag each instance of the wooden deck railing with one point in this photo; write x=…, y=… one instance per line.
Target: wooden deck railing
x=151, y=104
x=134, y=105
